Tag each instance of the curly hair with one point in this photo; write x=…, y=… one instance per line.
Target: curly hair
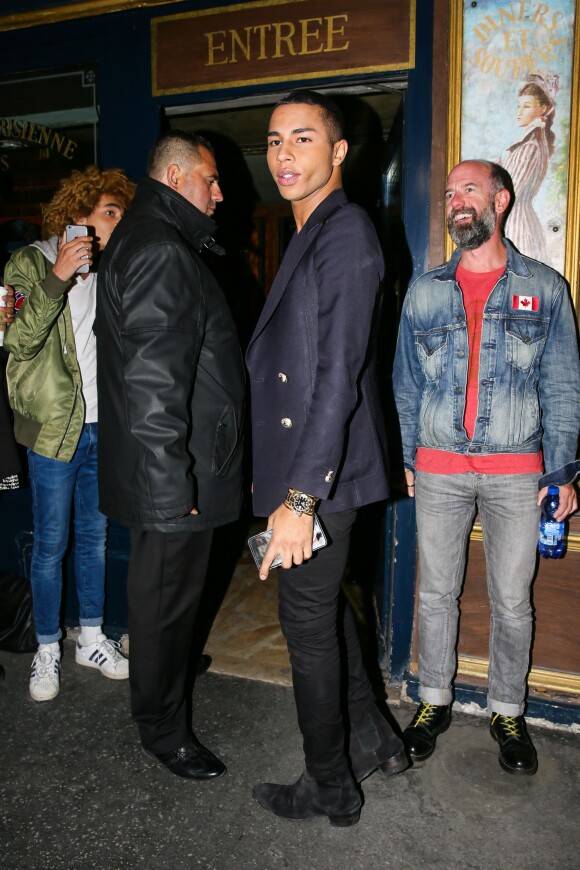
x=78, y=195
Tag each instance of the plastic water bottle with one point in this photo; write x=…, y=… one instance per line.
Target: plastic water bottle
x=551, y=540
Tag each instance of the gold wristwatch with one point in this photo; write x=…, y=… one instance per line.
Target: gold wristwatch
x=300, y=502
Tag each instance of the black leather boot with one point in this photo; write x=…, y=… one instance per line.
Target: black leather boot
x=374, y=745
x=421, y=734
x=517, y=753
x=337, y=798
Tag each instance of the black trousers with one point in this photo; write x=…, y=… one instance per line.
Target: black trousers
x=320, y=631
x=165, y=581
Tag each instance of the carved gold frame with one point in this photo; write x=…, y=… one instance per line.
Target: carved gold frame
x=572, y=257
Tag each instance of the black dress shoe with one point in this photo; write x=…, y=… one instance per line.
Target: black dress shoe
x=203, y=664
x=192, y=761
x=2, y=672
x=421, y=734
x=516, y=750
x=337, y=798
x=374, y=745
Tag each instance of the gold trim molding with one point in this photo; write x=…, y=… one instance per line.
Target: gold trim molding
x=454, y=104
x=572, y=538
x=87, y=9
x=572, y=258
x=539, y=678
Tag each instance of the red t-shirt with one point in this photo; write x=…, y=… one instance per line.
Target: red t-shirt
x=476, y=288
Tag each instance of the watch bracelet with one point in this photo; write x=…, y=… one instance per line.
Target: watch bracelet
x=300, y=502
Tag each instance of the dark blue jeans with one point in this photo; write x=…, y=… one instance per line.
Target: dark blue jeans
x=56, y=486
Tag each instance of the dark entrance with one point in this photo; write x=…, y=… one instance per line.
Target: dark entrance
x=254, y=228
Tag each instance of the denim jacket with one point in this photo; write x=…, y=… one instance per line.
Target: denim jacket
x=529, y=375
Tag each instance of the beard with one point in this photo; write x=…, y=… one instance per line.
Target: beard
x=475, y=234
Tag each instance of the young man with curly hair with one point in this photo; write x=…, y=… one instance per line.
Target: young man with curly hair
x=53, y=392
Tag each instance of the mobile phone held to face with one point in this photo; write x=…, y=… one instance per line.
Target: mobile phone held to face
x=258, y=544
x=77, y=231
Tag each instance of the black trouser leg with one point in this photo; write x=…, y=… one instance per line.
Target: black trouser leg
x=165, y=581
x=309, y=597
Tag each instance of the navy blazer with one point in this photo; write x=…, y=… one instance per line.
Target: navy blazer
x=317, y=424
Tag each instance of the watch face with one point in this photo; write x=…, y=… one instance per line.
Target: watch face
x=300, y=502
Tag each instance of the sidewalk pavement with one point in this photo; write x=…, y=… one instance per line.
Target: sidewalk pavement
x=76, y=791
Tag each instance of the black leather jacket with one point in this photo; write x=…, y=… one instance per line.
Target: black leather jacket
x=170, y=372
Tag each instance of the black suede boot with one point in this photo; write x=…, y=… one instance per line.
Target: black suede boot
x=374, y=745
x=337, y=798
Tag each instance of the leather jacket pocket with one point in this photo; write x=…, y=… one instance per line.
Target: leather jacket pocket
x=432, y=353
x=225, y=441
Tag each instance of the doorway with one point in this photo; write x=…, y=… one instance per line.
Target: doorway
x=254, y=226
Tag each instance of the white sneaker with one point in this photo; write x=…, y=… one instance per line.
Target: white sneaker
x=105, y=656
x=45, y=674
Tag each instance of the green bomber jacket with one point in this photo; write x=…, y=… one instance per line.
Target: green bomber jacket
x=44, y=379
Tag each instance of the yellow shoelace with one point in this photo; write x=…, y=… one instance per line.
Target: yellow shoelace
x=425, y=714
x=509, y=723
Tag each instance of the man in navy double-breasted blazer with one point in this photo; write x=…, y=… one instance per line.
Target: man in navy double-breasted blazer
x=319, y=445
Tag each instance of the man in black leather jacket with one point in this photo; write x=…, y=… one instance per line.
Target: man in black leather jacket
x=171, y=392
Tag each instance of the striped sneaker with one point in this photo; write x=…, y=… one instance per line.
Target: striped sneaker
x=45, y=674
x=103, y=655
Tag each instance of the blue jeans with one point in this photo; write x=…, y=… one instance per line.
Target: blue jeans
x=55, y=485
x=446, y=506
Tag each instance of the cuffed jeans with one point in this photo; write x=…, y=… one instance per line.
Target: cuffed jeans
x=55, y=487
x=324, y=650
x=446, y=505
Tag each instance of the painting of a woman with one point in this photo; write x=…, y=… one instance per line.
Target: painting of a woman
x=527, y=160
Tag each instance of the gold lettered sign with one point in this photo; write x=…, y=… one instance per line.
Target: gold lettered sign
x=21, y=131
x=277, y=41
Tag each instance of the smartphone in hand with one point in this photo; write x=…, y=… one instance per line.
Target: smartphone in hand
x=77, y=231
x=259, y=544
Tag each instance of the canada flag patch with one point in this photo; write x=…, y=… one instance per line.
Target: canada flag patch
x=526, y=303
